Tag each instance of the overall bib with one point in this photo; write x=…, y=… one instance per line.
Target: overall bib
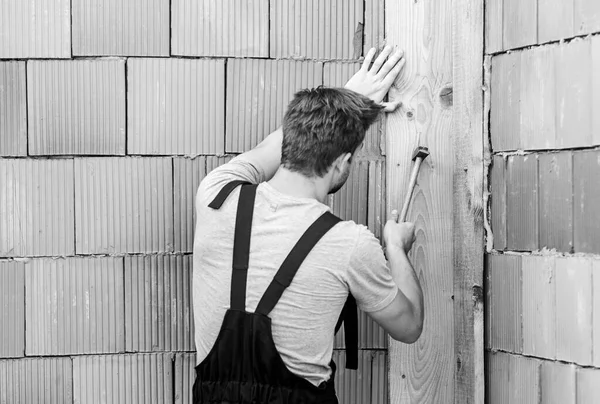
x=243, y=365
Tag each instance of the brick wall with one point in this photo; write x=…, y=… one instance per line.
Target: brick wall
x=111, y=112
x=543, y=269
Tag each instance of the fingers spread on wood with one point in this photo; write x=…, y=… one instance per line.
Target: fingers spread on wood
x=368, y=59
x=380, y=59
x=390, y=63
x=393, y=74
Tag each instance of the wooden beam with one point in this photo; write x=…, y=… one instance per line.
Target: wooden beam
x=469, y=149
x=441, y=90
x=424, y=371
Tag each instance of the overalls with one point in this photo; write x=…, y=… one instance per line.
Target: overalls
x=243, y=365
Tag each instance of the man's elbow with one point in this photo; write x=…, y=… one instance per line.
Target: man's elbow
x=411, y=332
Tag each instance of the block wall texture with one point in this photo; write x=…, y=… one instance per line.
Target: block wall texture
x=543, y=263
x=111, y=113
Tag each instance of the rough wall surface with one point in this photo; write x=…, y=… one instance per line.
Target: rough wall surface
x=543, y=262
x=111, y=113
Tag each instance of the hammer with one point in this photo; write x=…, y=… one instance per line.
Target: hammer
x=418, y=156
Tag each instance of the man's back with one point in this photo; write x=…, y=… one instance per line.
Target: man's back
x=347, y=258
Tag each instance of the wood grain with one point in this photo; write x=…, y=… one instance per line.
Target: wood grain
x=424, y=371
x=468, y=147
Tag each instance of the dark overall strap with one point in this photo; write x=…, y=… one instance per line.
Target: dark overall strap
x=288, y=270
x=284, y=276
x=349, y=317
x=224, y=193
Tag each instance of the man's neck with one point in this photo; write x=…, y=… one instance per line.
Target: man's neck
x=300, y=186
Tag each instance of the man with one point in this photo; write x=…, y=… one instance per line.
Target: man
x=273, y=268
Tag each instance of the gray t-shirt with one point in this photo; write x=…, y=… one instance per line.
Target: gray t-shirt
x=347, y=258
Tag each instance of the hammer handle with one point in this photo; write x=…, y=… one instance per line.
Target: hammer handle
x=411, y=187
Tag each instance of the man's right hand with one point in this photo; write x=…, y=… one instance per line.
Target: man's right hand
x=398, y=236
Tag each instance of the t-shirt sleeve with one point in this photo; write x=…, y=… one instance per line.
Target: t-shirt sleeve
x=369, y=278
x=239, y=168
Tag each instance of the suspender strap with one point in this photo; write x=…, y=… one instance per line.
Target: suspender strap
x=350, y=318
x=224, y=193
x=287, y=271
x=241, y=246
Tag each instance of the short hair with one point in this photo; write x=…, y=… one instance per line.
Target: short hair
x=321, y=124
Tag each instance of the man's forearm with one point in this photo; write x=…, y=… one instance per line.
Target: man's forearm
x=405, y=277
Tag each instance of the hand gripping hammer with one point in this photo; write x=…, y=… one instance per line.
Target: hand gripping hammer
x=418, y=156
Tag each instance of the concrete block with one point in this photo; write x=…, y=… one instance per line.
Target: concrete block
x=74, y=306
x=176, y=106
x=493, y=25
x=596, y=312
x=522, y=203
x=588, y=385
x=586, y=201
x=213, y=162
x=317, y=29
x=220, y=28
x=538, y=98
x=587, y=17
x=35, y=29
x=539, y=306
x=498, y=202
x=596, y=84
x=374, y=29
x=185, y=376
x=36, y=201
x=36, y=380
x=258, y=92
x=506, y=302
x=557, y=383
x=137, y=378
x=556, y=200
x=187, y=174
x=115, y=27
x=519, y=23
x=124, y=205
x=573, y=64
x=13, y=102
x=158, y=308
x=512, y=379
x=506, y=102
x=574, y=310
x=350, y=202
x=337, y=74
x=12, y=309
x=555, y=20
x=367, y=384
x=76, y=106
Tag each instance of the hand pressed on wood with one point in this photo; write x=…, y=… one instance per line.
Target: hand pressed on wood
x=375, y=81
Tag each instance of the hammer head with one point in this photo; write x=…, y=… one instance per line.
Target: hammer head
x=421, y=152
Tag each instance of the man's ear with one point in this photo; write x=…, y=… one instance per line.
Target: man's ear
x=343, y=160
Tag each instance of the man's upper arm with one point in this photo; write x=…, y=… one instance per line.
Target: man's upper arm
x=239, y=168
x=376, y=293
